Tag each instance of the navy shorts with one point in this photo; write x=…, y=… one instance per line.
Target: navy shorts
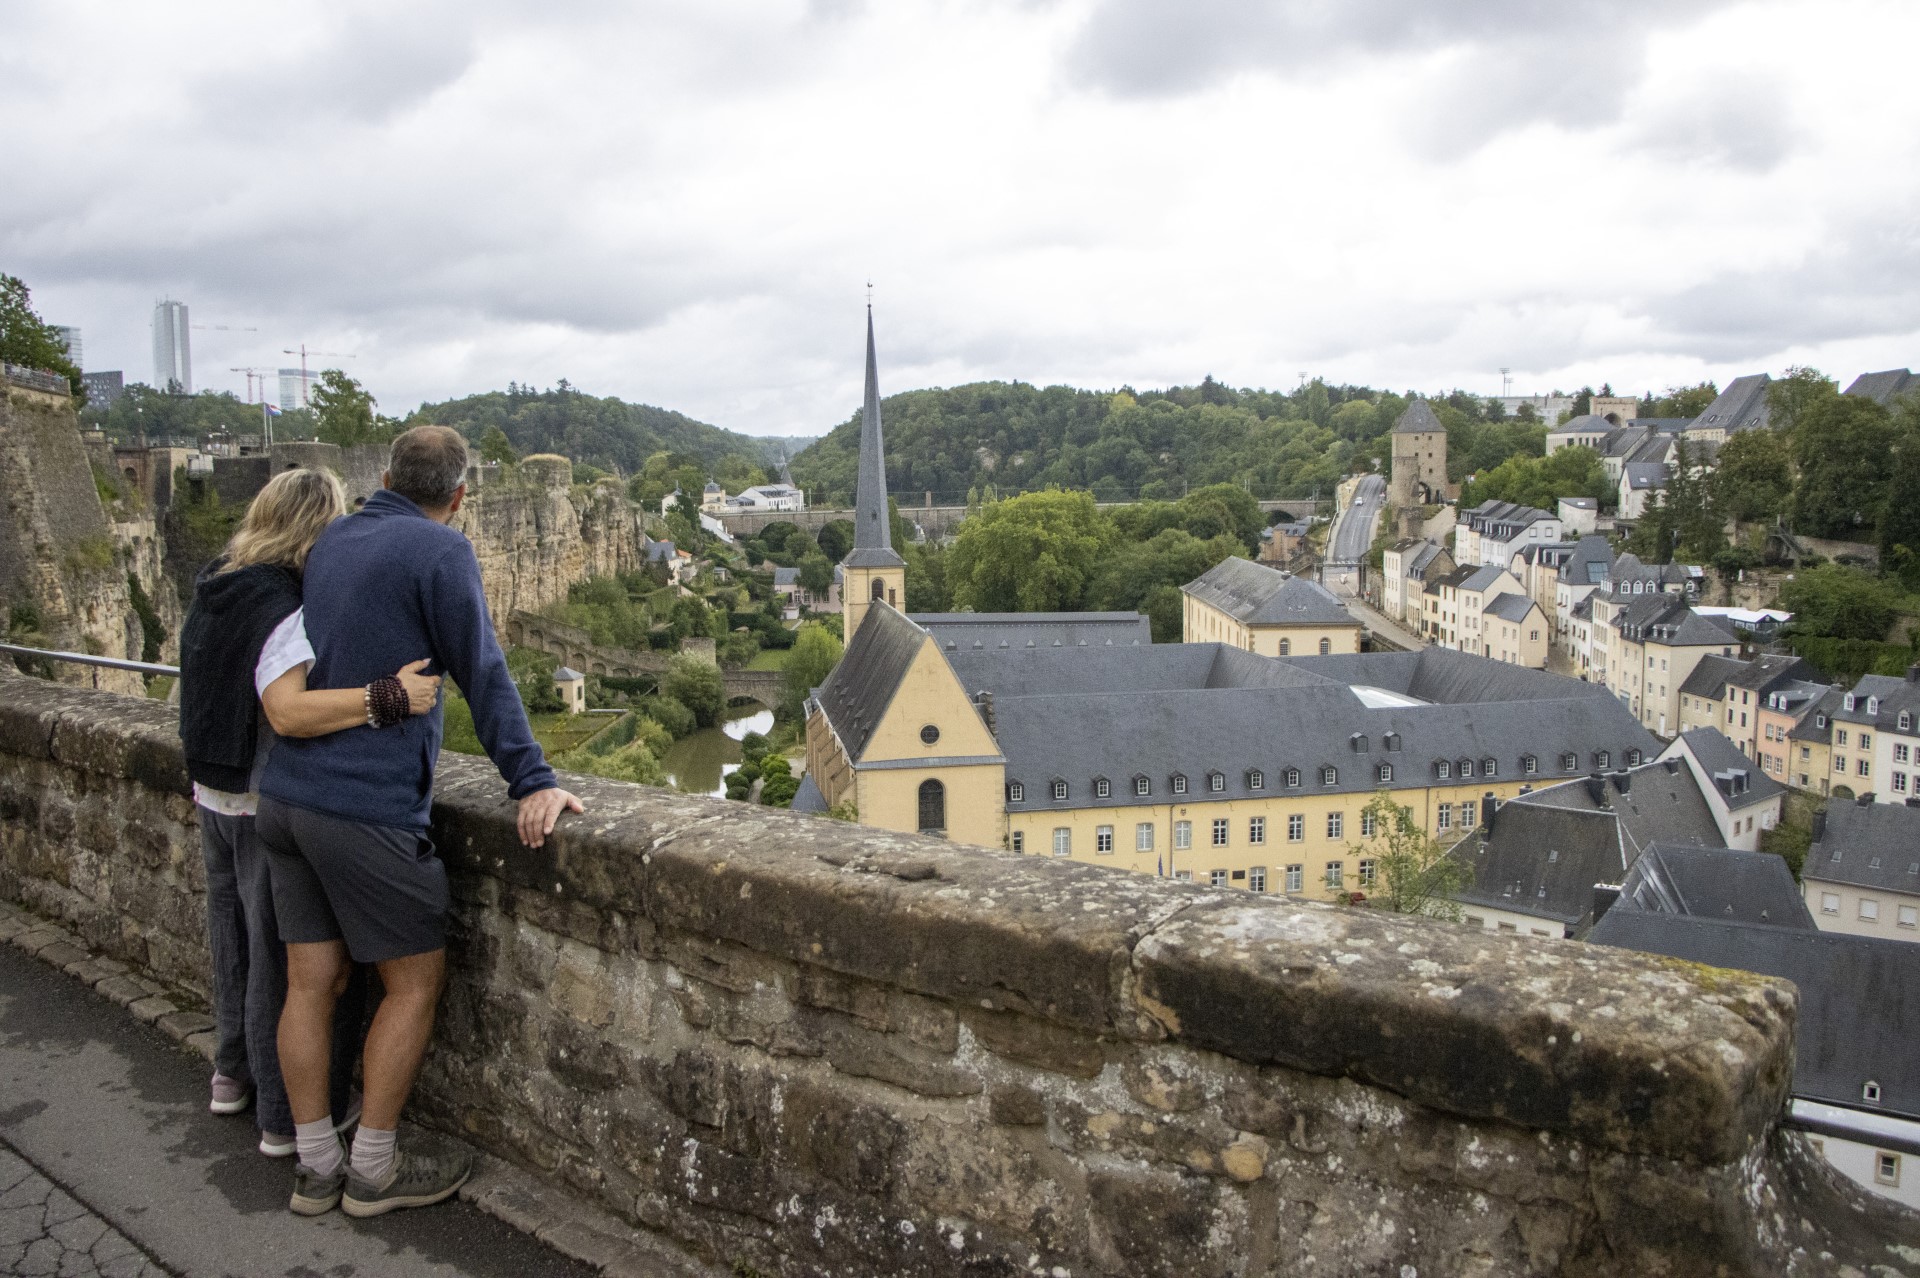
x=380, y=888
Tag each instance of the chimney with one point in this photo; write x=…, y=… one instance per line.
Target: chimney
x=1865, y=800
x=1597, y=789
x=1913, y=674
x=1604, y=895
x=1820, y=824
x=1489, y=809
x=1673, y=767
x=1913, y=803
x=1623, y=781
x=984, y=701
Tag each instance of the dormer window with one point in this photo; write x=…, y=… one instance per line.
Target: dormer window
x=1602, y=758
x=1293, y=777
x=1384, y=772
x=1016, y=793
x=1357, y=743
x=1101, y=788
x=1906, y=721
x=1179, y=783
x=1873, y=705
x=1466, y=768
x=1142, y=786
x=1529, y=765
x=1569, y=762
x=1847, y=701
x=1442, y=770
x=1870, y=1092
x=1633, y=758
x=1216, y=782
x=1329, y=776
x=1256, y=780
x=1059, y=790
x=1391, y=741
x=1488, y=767
x=1819, y=721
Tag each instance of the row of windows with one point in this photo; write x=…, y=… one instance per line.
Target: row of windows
x=1333, y=875
x=1220, y=833
x=1868, y=910
x=1286, y=647
x=1290, y=778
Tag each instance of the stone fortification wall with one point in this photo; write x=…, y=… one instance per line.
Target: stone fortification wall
x=58, y=560
x=803, y=1047
x=536, y=533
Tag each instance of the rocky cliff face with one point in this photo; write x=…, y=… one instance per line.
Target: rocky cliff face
x=63, y=578
x=535, y=534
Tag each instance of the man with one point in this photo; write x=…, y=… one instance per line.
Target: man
x=344, y=817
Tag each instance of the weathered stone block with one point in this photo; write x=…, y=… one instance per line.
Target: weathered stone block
x=152, y=1008
x=1038, y=1043
x=1012, y=1105
x=1629, y=1053
x=1163, y=1223
x=182, y=1025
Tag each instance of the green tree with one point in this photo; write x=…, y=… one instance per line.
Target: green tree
x=1753, y=476
x=1033, y=553
x=1841, y=448
x=343, y=411
x=697, y=685
x=1900, y=524
x=1839, y=602
x=1165, y=607
x=815, y=653
x=1541, y=481
x=496, y=447
x=836, y=539
x=1681, y=401
x=816, y=574
x=1412, y=873
x=532, y=672
x=1795, y=393
x=26, y=340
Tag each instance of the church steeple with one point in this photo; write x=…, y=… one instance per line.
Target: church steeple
x=873, y=569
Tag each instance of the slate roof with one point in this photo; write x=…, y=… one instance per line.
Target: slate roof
x=808, y=797
x=1588, y=565
x=1004, y=630
x=1256, y=595
x=872, y=528
x=1890, y=696
x=1646, y=476
x=1859, y=1012
x=1741, y=406
x=1661, y=804
x=567, y=674
x=1082, y=713
x=786, y=576
x=1731, y=769
x=1868, y=844
x=859, y=689
x=1770, y=669
x=1710, y=677
x=1581, y=503
x=1479, y=578
x=1667, y=620
x=1418, y=419
x=1715, y=883
x=1585, y=424
x=1624, y=442
x=1886, y=386
x=1817, y=723
x=1511, y=607
x=1542, y=861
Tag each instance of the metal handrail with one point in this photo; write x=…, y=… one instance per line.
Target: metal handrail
x=87, y=659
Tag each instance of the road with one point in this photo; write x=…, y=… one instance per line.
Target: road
x=112, y=1166
x=1352, y=535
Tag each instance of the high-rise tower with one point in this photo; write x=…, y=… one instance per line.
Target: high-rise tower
x=873, y=569
x=172, y=348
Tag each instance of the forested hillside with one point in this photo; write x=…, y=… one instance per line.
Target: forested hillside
x=609, y=433
x=1009, y=437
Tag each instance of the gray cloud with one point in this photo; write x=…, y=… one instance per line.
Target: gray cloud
x=1743, y=123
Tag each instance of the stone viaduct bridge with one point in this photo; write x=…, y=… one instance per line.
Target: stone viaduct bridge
x=575, y=647
x=793, y=1045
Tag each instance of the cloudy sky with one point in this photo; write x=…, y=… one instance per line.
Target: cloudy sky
x=681, y=201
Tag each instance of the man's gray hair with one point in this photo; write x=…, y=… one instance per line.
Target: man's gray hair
x=427, y=464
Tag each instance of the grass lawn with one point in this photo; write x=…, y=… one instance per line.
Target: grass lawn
x=556, y=733
x=769, y=659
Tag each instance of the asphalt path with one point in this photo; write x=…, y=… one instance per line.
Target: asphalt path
x=113, y=1114
x=1354, y=533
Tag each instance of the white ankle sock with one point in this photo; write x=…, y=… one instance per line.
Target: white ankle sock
x=319, y=1146
x=373, y=1152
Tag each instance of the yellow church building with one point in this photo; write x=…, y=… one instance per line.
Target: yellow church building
x=1074, y=736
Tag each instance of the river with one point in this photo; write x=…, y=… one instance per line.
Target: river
x=699, y=763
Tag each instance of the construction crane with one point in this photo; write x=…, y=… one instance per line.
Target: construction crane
x=252, y=373
x=303, y=352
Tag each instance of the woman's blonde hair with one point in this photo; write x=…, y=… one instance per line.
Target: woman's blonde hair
x=286, y=519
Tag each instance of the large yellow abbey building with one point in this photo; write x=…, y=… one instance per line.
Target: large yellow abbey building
x=1072, y=735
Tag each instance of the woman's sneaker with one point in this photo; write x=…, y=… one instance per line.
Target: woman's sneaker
x=314, y=1194
x=230, y=1095
x=274, y=1145
x=413, y=1181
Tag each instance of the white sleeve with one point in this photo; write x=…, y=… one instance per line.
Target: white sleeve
x=285, y=648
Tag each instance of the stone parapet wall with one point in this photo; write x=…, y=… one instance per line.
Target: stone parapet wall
x=802, y=1047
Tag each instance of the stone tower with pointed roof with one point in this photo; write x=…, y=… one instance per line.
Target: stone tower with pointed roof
x=873, y=569
x=1419, y=459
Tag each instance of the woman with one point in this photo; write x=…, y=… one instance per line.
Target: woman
x=244, y=657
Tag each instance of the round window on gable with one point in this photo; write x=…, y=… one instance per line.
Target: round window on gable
x=929, y=734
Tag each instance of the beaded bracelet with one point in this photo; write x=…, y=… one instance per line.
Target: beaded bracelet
x=387, y=702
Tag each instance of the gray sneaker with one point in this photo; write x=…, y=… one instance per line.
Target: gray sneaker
x=314, y=1194
x=414, y=1180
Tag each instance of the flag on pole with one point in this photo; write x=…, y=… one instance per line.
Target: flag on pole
x=272, y=411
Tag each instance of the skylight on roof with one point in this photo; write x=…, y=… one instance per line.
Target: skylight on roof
x=1383, y=699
